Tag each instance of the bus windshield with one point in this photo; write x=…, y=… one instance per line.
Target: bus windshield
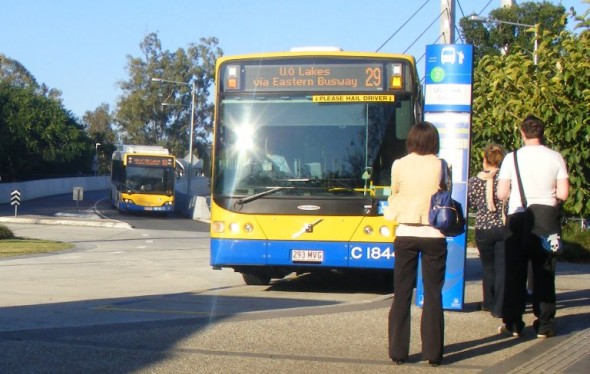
x=150, y=180
x=316, y=148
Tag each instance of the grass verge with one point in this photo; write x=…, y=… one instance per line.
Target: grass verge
x=22, y=247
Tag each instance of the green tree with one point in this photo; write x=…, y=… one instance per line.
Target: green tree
x=159, y=112
x=40, y=138
x=507, y=88
x=99, y=127
x=494, y=39
x=15, y=74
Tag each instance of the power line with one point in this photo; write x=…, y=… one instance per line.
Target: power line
x=405, y=23
x=460, y=8
x=480, y=12
x=424, y=54
x=463, y=15
x=424, y=32
x=460, y=35
x=484, y=8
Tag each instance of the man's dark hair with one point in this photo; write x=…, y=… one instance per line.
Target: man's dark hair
x=533, y=127
x=423, y=139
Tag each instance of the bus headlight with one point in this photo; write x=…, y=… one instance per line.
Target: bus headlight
x=218, y=227
x=385, y=231
x=368, y=230
x=233, y=227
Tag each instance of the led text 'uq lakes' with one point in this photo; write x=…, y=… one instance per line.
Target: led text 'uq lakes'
x=336, y=77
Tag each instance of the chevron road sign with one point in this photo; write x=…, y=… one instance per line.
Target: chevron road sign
x=15, y=200
x=15, y=197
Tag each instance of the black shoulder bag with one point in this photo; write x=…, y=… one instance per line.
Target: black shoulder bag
x=542, y=220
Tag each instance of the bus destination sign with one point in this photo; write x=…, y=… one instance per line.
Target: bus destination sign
x=149, y=161
x=320, y=77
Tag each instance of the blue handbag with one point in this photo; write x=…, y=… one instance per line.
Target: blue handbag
x=446, y=214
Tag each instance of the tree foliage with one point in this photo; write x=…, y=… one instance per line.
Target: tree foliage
x=15, y=74
x=160, y=112
x=99, y=127
x=507, y=88
x=494, y=39
x=40, y=138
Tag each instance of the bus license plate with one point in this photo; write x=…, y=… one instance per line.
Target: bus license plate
x=304, y=255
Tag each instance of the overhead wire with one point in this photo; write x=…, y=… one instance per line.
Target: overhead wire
x=424, y=54
x=424, y=32
x=463, y=15
x=460, y=8
x=405, y=23
x=440, y=15
x=428, y=27
x=484, y=8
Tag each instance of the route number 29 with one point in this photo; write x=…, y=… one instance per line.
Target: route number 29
x=373, y=77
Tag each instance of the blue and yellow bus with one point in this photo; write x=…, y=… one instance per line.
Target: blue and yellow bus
x=142, y=179
x=303, y=146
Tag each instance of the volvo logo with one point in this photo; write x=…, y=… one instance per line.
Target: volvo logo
x=308, y=207
x=307, y=228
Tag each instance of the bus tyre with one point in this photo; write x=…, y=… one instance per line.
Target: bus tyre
x=256, y=278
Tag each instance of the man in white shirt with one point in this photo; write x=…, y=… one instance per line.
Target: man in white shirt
x=544, y=177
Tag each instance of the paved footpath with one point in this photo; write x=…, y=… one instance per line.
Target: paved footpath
x=344, y=338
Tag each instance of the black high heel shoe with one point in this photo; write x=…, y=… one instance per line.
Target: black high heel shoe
x=397, y=362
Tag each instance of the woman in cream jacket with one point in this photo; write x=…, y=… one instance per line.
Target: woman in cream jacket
x=414, y=178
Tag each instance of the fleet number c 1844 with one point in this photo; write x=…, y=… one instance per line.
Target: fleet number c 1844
x=371, y=253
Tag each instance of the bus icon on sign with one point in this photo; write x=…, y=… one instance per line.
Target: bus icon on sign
x=448, y=55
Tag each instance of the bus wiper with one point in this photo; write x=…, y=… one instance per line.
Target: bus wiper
x=270, y=191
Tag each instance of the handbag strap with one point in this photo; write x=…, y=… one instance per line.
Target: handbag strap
x=520, y=188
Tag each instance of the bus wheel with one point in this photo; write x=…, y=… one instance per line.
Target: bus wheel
x=256, y=278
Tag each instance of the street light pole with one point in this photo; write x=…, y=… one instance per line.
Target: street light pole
x=96, y=159
x=493, y=20
x=190, y=143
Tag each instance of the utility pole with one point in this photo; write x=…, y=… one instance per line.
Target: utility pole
x=447, y=21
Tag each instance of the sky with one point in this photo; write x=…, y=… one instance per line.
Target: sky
x=81, y=47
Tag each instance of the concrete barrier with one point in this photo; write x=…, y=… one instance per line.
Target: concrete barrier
x=30, y=190
x=195, y=206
